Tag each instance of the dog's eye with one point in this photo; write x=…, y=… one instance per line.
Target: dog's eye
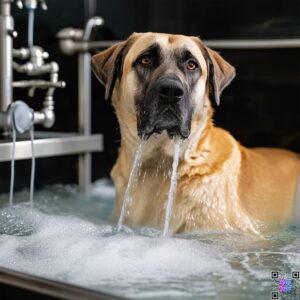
x=191, y=65
x=146, y=60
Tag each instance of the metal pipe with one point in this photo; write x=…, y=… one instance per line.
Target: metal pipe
x=70, y=42
x=49, y=144
x=22, y=53
x=84, y=118
x=94, y=45
x=6, y=43
x=36, y=66
x=48, y=110
x=32, y=69
x=5, y=121
x=39, y=84
x=91, y=24
x=90, y=9
x=254, y=44
x=46, y=116
x=70, y=46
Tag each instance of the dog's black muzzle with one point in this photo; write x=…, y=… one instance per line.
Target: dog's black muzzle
x=165, y=107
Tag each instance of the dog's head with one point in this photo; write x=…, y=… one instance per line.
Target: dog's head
x=163, y=80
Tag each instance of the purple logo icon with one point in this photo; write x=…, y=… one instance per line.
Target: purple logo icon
x=284, y=286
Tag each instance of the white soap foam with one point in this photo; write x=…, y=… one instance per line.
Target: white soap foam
x=104, y=188
x=80, y=252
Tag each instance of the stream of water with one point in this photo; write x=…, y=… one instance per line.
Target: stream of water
x=32, y=175
x=127, y=196
x=30, y=28
x=12, y=168
x=172, y=190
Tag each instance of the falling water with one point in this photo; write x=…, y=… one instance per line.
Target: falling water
x=127, y=197
x=172, y=190
x=30, y=28
x=32, y=176
x=12, y=168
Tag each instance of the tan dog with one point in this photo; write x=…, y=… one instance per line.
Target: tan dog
x=161, y=86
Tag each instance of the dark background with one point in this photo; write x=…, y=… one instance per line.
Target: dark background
x=260, y=108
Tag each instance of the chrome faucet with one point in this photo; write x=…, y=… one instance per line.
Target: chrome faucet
x=73, y=40
x=35, y=65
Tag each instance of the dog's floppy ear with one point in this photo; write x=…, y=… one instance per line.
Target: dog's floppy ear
x=220, y=74
x=107, y=66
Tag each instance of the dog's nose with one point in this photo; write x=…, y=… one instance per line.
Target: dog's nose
x=170, y=90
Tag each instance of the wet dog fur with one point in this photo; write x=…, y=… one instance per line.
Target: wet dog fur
x=161, y=87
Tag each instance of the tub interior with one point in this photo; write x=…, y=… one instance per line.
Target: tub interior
x=70, y=238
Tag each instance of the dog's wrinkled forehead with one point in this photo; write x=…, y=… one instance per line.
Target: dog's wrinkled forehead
x=167, y=45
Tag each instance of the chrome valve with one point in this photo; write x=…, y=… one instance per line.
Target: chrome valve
x=17, y=114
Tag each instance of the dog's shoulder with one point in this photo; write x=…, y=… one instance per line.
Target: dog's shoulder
x=268, y=178
x=274, y=158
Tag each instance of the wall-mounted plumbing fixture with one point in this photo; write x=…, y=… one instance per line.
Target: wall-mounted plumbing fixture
x=35, y=65
x=18, y=117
